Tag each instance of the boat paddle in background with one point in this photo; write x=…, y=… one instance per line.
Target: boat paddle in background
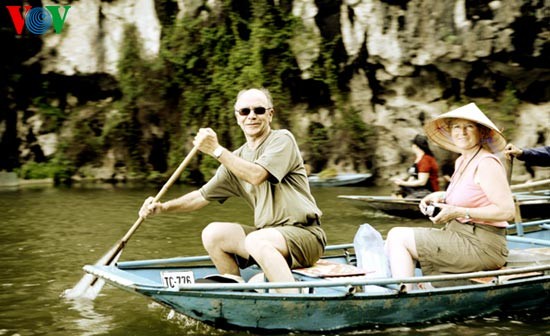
x=530, y=184
x=89, y=286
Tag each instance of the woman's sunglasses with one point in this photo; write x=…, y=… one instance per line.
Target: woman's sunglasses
x=257, y=110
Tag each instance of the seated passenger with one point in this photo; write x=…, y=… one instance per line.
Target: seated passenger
x=423, y=174
x=473, y=210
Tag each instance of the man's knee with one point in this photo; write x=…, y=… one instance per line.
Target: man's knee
x=258, y=241
x=211, y=229
x=253, y=243
x=213, y=232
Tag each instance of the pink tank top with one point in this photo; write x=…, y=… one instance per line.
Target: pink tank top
x=466, y=193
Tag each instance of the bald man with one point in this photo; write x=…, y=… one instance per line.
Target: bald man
x=268, y=173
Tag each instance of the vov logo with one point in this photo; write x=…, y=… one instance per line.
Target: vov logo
x=38, y=19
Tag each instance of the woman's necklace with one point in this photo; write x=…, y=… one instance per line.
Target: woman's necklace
x=460, y=171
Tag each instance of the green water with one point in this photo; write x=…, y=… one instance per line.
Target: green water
x=48, y=234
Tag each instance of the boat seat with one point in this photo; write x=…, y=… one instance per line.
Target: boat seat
x=516, y=258
x=329, y=269
x=528, y=257
x=505, y=278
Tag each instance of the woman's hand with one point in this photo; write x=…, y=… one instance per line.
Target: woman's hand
x=435, y=197
x=446, y=214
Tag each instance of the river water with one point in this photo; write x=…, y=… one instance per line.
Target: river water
x=47, y=234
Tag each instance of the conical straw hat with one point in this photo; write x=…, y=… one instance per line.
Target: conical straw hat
x=438, y=130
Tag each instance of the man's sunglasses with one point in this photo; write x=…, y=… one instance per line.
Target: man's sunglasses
x=257, y=110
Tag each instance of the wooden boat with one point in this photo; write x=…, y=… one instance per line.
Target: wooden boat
x=533, y=204
x=347, y=302
x=344, y=179
x=8, y=179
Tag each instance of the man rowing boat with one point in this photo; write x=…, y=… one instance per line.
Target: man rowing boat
x=268, y=173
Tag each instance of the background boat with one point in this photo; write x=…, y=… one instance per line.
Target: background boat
x=8, y=179
x=341, y=179
x=532, y=204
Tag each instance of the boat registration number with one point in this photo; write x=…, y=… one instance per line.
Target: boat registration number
x=173, y=279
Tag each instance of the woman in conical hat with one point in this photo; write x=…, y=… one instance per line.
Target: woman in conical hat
x=472, y=211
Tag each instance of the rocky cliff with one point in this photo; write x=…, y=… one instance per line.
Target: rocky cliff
x=392, y=64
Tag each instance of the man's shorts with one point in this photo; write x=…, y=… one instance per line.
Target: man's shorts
x=459, y=247
x=305, y=244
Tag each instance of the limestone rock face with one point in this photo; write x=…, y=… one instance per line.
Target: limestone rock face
x=402, y=62
x=93, y=32
x=306, y=43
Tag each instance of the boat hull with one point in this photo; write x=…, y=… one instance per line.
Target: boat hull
x=346, y=302
x=328, y=313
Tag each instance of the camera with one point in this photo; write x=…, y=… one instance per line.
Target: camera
x=432, y=210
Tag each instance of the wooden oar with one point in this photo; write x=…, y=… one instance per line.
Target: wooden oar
x=90, y=286
x=530, y=184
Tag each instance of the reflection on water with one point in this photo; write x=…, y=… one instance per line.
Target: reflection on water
x=48, y=234
x=90, y=322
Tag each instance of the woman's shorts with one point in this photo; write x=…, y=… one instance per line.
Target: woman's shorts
x=459, y=248
x=305, y=244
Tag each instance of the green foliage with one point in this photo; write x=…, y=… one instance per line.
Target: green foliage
x=508, y=110
x=137, y=87
x=208, y=166
x=64, y=168
x=325, y=70
x=34, y=170
x=156, y=177
x=358, y=136
x=53, y=116
x=58, y=169
x=504, y=111
x=508, y=104
x=86, y=143
x=131, y=67
x=318, y=145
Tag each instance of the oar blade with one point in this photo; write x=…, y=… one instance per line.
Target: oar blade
x=89, y=285
x=86, y=288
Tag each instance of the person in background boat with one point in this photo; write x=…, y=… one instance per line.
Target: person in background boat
x=269, y=174
x=536, y=156
x=474, y=208
x=423, y=174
